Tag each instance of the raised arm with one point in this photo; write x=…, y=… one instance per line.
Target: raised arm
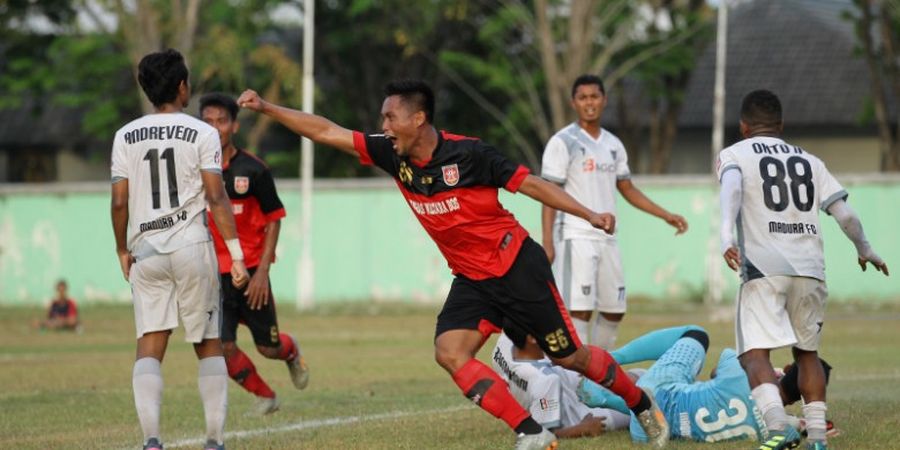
x=640, y=201
x=553, y=196
x=316, y=128
x=852, y=227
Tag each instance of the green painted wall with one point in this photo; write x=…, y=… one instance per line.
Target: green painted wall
x=368, y=246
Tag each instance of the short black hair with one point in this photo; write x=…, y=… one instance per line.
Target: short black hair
x=588, y=79
x=515, y=333
x=160, y=74
x=761, y=108
x=415, y=93
x=224, y=101
x=790, y=382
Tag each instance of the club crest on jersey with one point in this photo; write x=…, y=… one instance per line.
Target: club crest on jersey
x=451, y=174
x=241, y=185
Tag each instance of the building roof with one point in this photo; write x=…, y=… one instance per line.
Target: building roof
x=802, y=50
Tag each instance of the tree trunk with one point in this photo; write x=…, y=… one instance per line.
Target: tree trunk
x=864, y=33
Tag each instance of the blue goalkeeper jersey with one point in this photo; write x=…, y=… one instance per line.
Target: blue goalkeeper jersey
x=716, y=410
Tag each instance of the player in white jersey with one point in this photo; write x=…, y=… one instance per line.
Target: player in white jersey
x=166, y=166
x=772, y=191
x=591, y=164
x=548, y=392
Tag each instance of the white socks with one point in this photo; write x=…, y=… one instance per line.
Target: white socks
x=147, y=382
x=212, y=380
x=604, y=332
x=814, y=413
x=581, y=327
x=768, y=400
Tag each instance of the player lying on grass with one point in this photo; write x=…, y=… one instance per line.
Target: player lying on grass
x=451, y=184
x=549, y=392
x=708, y=411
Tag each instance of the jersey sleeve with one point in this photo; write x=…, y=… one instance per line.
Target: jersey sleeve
x=830, y=190
x=494, y=169
x=210, y=153
x=119, y=163
x=545, y=393
x=267, y=196
x=623, y=172
x=555, y=162
x=726, y=161
x=377, y=150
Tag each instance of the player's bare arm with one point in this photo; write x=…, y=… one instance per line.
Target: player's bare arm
x=590, y=426
x=851, y=226
x=316, y=128
x=220, y=206
x=119, y=212
x=636, y=198
x=729, y=205
x=548, y=216
x=554, y=197
x=258, y=289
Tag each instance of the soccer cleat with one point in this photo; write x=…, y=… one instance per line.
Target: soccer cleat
x=782, y=439
x=654, y=423
x=816, y=446
x=297, y=367
x=545, y=440
x=213, y=445
x=153, y=444
x=265, y=406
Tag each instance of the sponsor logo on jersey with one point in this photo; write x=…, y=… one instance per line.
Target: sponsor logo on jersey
x=435, y=208
x=405, y=173
x=241, y=185
x=586, y=289
x=451, y=174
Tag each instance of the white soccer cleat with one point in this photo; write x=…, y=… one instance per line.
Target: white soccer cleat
x=654, y=423
x=265, y=406
x=298, y=368
x=545, y=440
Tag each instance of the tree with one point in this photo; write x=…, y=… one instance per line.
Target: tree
x=536, y=49
x=878, y=30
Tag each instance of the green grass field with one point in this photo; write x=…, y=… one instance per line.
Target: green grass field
x=374, y=383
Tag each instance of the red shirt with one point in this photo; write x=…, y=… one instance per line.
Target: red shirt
x=254, y=202
x=64, y=308
x=454, y=196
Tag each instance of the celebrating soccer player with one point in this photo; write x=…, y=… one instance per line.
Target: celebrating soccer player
x=166, y=168
x=450, y=182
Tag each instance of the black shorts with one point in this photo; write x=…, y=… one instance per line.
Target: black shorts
x=526, y=295
x=263, y=323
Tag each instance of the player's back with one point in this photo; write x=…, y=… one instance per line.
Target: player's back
x=162, y=156
x=711, y=411
x=783, y=188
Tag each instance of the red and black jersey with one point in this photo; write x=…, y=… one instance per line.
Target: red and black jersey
x=254, y=202
x=454, y=196
x=62, y=308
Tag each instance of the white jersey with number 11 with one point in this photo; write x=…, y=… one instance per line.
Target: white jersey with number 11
x=162, y=156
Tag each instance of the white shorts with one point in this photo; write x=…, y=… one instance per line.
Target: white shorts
x=780, y=311
x=182, y=284
x=588, y=273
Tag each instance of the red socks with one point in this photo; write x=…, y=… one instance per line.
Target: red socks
x=288, y=349
x=242, y=370
x=605, y=371
x=484, y=387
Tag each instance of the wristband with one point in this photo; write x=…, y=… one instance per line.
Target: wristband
x=234, y=248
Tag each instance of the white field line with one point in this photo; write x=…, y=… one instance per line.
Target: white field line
x=317, y=423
